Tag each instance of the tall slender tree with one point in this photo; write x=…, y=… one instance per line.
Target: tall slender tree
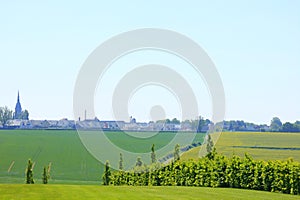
x=29, y=173
x=153, y=155
x=46, y=175
x=107, y=174
x=177, y=152
x=209, y=144
x=121, y=167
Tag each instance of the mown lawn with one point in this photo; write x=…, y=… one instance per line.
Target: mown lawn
x=126, y=192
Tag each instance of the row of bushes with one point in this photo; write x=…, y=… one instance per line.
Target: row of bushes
x=216, y=170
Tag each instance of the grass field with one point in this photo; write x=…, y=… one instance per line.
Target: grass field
x=72, y=164
x=262, y=146
x=70, y=161
x=126, y=192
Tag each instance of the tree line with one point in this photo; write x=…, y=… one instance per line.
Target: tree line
x=213, y=170
x=155, y=165
x=216, y=170
x=275, y=126
x=278, y=126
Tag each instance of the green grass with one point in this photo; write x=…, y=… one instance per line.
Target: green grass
x=239, y=143
x=126, y=192
x=71, y=162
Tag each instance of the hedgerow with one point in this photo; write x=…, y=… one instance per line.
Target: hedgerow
x=216, y=170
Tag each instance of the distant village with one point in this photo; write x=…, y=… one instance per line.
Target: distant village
x=20, y=120
x=96, y=124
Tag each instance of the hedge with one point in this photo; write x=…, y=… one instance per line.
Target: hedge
x=216, y=170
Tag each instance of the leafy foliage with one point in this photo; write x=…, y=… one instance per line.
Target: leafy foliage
x=291, y=127
x=209, y=144
x=107, y=174
x=177, y=152
x=219, y=171
x=29, y=173
x=276, y=124
x=46, y=175
x=24, y=115
x=5, y=115
x=121, y=167
x=153, y=155
x=139, y=162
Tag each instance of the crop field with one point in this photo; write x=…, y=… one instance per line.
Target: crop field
x=261, y=146
x=70, y=162
x=18, y=191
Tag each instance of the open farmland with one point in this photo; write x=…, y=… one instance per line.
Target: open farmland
x=262, y=146
x=70, y=161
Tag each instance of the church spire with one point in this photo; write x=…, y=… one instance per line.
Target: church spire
x=18, y=96
x=18, y=109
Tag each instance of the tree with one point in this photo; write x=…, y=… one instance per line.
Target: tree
x=29, y=173
x=5, y=115
x=175, y=121
x=121, y=162
x=276, y=124
x=177, y=152
x=46, y=175
x=25, y=115
x=297, y=125
x=153, y=156
x=139, y=162
x=201, y=124
x=107, y=174
x=209, y=144
x=289, y=127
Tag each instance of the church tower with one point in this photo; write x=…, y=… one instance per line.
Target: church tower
x=18, y=109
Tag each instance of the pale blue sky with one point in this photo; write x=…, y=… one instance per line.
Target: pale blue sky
x=255, y=46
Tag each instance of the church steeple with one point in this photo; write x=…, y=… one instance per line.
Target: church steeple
x=18, y=101
x=18, y=109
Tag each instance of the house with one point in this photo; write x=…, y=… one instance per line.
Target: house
x=112, y=125
x=65, y=124
x=13, y=124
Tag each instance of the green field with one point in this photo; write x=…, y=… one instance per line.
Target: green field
x=262, y=146
x=70, y=161
x=127, y=192
x=72, y=164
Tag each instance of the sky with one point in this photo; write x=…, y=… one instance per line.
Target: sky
x=253, y=44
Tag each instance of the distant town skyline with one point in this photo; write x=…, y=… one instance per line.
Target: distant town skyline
x=254, y=46
x=17, y=115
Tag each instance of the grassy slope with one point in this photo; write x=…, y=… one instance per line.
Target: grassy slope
x=70, y=160
x=126, y=192
x=229, y=139
x=71, y=163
